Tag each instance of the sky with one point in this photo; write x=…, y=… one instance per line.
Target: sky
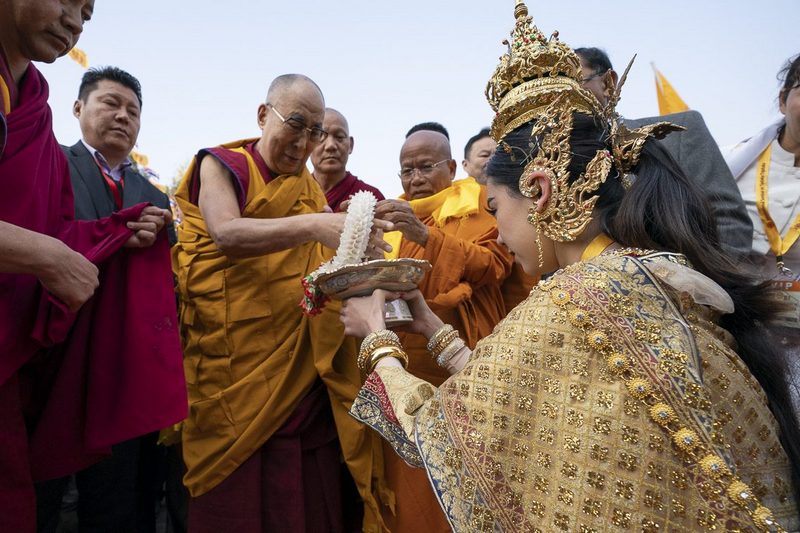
x=205, y=65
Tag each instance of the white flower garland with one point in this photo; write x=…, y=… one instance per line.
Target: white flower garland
x=355, y=235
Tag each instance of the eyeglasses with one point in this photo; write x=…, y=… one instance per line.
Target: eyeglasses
x=593, y=76
x=427, y=170
x=315, y=134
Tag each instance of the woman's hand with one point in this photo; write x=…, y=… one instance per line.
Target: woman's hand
x=425, y=321
x=363, y=315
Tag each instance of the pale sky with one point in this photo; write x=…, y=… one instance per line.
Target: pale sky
x=205, y=65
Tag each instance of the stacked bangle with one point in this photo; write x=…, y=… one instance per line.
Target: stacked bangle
x=386, y=351
x=378, y=343
x=444, y=344
x=449, y=351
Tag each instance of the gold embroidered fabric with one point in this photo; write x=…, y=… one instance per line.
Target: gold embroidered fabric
x=539, y=433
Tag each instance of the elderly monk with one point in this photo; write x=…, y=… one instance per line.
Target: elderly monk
x=448, y=224
x=88, y=357
x=330, y=163
x=268, y=387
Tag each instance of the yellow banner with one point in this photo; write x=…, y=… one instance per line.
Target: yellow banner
x=80, y=57
x=140, y=159
x=668, y=99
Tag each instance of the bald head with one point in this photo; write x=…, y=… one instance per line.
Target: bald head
x=293, y=84
x=436, y=143
x=290, y=122
x=334, y=116
x=330, y=156
x=426, y=164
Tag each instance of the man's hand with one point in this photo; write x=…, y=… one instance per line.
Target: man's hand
x=400, y=214
x=68, y=275
x=329, y=226
x=151, y=221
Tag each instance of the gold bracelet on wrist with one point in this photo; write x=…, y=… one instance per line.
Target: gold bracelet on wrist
x=443, y=342
x=436, y=337
x=374, y=340
x=388, y=351
x=449, y=352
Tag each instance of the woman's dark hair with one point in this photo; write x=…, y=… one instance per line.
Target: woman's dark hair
x=663, y=210
x=789, y=76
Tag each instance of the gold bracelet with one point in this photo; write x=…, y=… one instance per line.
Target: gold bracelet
x=376, y=339
x=388, y=351
x=436, y=337
x=443, y=342
x=449, y=352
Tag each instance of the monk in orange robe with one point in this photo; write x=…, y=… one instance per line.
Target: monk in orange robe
x=448, y=224
x=268, y=387
x=477, y=151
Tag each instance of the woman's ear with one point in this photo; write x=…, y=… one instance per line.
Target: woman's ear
x=540, y=181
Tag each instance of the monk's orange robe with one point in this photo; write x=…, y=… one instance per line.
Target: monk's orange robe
x=464, y=290
x=250, y=354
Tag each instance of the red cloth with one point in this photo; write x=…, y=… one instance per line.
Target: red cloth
x=346, y=188
x=236, y=163
x=111, y=372
x=291, y=484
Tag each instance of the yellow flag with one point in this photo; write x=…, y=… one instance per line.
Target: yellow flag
x=668, y=99
x=140, y=159
x=79, y=56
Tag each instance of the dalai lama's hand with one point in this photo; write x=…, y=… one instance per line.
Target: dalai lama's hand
x=151, y=221
x=399, y=213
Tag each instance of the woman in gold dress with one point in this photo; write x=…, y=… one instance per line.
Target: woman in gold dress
x=633, y=390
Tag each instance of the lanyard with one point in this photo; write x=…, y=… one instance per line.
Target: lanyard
x=114, y=186
x=777, y=245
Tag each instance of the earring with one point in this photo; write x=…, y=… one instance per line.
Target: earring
x=533, y=220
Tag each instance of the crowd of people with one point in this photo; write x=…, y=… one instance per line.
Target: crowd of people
x=608, y=338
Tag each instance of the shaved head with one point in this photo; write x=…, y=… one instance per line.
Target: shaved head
x=292, y=83
x=436, y=143
x=332, y=114
x=426, y=164
x=293, y=111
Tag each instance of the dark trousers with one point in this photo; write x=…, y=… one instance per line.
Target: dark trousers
x=116, y=495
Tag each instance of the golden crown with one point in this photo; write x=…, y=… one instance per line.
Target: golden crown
x=534, y=73
x=539, y=80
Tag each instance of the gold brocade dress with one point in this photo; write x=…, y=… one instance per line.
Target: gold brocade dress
x=609, y=400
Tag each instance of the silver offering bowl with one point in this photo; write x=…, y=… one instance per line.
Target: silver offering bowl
x=396, y=275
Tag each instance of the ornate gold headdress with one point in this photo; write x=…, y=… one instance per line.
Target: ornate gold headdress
x=539, y=80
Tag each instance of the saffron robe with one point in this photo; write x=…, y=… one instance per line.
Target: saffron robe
x=464, y=290
x=251, y=356
x=71, y=385
x=566, y=417
x=346, y=188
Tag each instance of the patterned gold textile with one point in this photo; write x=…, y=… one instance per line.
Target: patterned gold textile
x=541, y=431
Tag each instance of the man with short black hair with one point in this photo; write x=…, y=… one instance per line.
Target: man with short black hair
x=478, y=150
x=694, y=149
x=428, y=126
x=117, y=492
x=104, y=178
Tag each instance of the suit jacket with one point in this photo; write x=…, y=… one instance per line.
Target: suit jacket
x=93, y=200
x=699, y=156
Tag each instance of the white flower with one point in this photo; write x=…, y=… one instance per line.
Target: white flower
x=355, y=235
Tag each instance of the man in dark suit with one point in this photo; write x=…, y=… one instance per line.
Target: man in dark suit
x=118, y=493
x=104, y=179
x=694, y=149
